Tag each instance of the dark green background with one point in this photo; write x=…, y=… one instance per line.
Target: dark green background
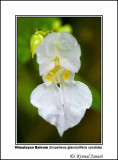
x=31, y=128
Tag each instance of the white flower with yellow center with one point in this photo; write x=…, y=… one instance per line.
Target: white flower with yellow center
x=60, y=100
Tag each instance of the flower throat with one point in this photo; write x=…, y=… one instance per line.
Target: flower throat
x=57, y=73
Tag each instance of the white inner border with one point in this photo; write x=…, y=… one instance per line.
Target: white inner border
x=8, y=11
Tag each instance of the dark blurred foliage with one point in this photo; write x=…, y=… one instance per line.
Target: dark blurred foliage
x=31, y=128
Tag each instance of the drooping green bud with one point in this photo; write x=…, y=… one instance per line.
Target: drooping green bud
x=56, y=24
x=65, y=28
x=35, y=40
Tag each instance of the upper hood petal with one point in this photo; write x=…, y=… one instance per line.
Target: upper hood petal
x=62, y=45
x=69, y=52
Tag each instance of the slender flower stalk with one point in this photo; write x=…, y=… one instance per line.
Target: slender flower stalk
x=60, y=100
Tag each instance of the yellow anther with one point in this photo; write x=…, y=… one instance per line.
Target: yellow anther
x=57, y=67
x=48, y=78
x=52, y=73
x=57, y=72
x=66, y=74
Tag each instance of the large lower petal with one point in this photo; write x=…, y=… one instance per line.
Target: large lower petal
x=63, y=107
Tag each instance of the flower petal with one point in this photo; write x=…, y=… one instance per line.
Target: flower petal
x=46, y=52
x=44, y=68
x=70, y=77
x=69, y=52
x=43, y=96
x=62, y=45
x=77, y=98
x=47, y=80
x=63, y=107
x=78, y=94
x=48, y=102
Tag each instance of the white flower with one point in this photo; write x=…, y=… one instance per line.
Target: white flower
x=64, y=46
x=60, y=100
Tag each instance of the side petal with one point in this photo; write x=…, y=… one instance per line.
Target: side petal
x=44, y=96
x=69, y=52
x=44, y=68
x=77, y=98
x=46, y=52
x=70, y=78
x=48, y=102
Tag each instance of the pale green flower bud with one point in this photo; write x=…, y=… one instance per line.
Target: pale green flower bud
x=56, y=24
x=35, y=40
x=65, y=28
